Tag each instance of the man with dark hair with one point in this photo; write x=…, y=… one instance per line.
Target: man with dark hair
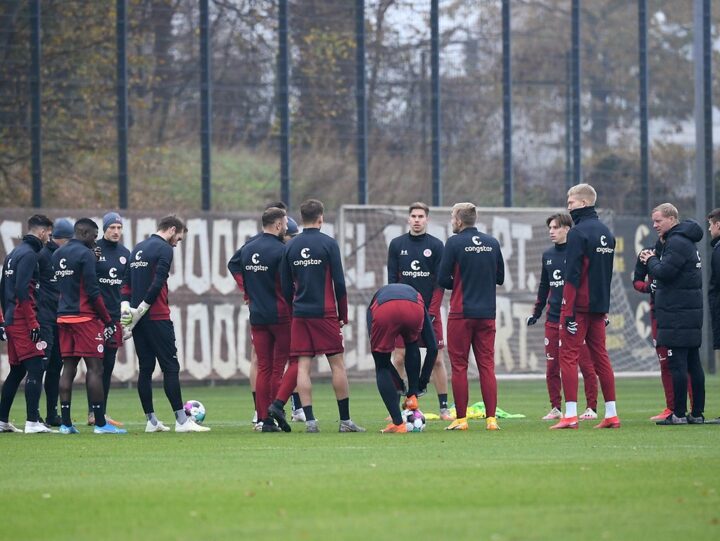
x=586, y=301
x=399, y=311
x=111, y=266
x=84, y=325
x=145, y=291
x=550, y=293
x=314, y=284
x=413, y=259
x=21, y=327
x=679, y=308
x=47, y=305
x=269, y=313
x=472, y=265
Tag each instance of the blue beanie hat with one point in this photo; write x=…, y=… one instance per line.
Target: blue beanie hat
x=292, y=228
x=62, y=229
x=111, y=218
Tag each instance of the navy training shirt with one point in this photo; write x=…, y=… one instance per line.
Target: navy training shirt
x=19, y=282
x=147, y=274
x=74, y=265
x=550, y=290
x=472, y=265
x=312, y=276
x=110, y=269
x=414, y=260
x=47, y=291
x=260, y=262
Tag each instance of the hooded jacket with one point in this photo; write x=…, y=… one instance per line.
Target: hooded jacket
x=679, y=296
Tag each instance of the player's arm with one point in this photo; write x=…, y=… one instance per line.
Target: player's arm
x=573, y=268
x=286, y=278
x=445, y=269
x=639, y=277
x=393, y=265
x=500, y=269
x=25, y=269
x=235, y=268
x=430, y=341
x=670, y=265
x=92, y=289
x=338, y=278
x=542, y=296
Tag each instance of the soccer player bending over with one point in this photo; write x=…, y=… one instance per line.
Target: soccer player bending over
x=21, y=327
x=314, y=284
x=145, y=311
x=550, y=293
x=472, y=265
x=85, y=327
x=398, y=311
x=586, y=301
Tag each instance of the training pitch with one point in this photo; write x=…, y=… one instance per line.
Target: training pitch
x=523, y=483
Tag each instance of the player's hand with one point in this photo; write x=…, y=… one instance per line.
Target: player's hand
x=109, y=332
x=98, y=252
x=531, y=321
x=35, y=334
x=607, y=321
x=3, y=336
x=571, y=325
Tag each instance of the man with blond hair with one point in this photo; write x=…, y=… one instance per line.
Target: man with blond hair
x=585, y=304
x=472, y=265
x=679, y=308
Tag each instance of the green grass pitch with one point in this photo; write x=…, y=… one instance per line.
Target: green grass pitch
x=641, y=482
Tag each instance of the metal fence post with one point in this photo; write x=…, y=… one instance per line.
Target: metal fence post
x=643, y=81
x=122, y=101
x=507, y=105
x=575, y=64
x=283, y=69
x=35, y=103
x=361, y=101
x=437, y=188
x=205, y=103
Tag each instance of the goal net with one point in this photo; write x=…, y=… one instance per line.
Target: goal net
x=366, y=232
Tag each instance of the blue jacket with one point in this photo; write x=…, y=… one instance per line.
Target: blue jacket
x=146, y=276
x=47, y=292
x=110, y=270
x=552, y=280
x=414, y=260
x=18, y=283
x=260, y=262
x=679, y=295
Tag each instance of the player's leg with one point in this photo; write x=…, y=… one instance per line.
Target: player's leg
x=7, y=395
x=304, y=387
x=146, y=367
x=109, y=359
x=677, y=358
x=33, y=390
x=398, y=359
x=595, y=339
x=52, y=381
x=342, y=392
x=388, y=392
x=283, y=383
x=590, y=383
x=253, y=381
x=458, y=347
x=413, y=364
x=483, y=344
x=697, y=380
x=67, y=376
x=440, y=381
x=264, y=343
x=665, y=375
x=552, y=370
x=569, y=347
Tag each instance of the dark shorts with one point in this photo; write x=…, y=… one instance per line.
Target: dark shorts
x=439, y=336
x=395, y=321
x=20, y=347
x=82, y=339
x=155, y=340
x=315, y=336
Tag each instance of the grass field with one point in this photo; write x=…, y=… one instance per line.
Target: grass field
x=522, y=483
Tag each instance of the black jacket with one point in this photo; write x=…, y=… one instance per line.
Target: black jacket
x=679, y=296
x=714, y=291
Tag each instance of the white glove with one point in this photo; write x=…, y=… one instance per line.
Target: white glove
x=125, y=315
x=129, y=317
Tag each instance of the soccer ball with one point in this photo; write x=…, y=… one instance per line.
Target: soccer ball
x=414, y=420
x=195, y=410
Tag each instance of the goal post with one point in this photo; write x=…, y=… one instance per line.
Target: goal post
x=366, y=232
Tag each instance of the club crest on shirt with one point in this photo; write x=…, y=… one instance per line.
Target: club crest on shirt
x=122, y=260
x=427, y=252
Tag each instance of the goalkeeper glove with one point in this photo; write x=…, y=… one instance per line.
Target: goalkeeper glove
x=531, y=321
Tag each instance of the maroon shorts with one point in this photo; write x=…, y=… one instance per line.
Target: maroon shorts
x=82, y=339
x=395, y=321
x=315, y=336
x=20, y=347
x=439, y=336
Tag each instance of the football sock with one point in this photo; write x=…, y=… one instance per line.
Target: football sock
x=254, y=400
x=610, y=410
x=570, y=409
x=65, y=413
x=33, y=387
x=181, y=416
x=386, y=386
x=108, y=367
x=442, y=399
x=99, y=413
x=308, y=412
x=279, y=403
x=9, y=389
x=152, y=418
x=52, y=386
x=344, y=409
x=412, y=367
x=296, y=402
